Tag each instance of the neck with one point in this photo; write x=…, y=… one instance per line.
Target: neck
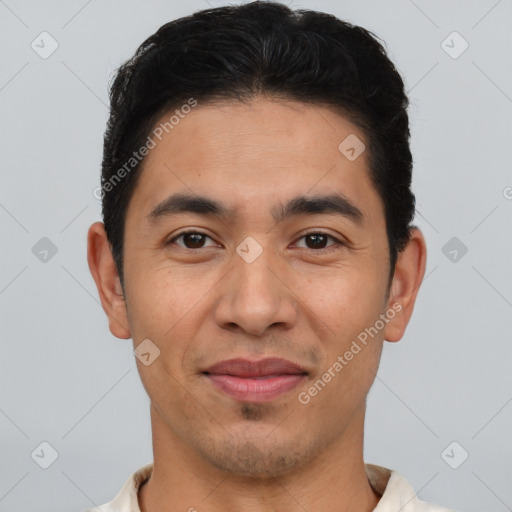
x=181, y=480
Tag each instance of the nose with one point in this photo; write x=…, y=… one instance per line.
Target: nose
x=255, y=296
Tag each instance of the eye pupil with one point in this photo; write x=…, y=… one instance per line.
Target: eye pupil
x=196, y=239
x=318, y=241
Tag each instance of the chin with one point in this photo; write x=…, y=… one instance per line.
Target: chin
x=259, y=457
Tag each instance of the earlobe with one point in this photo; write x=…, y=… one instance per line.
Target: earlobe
x=104, y=272
x=409, y=273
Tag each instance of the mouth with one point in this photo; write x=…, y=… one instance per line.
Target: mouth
x=255, y=381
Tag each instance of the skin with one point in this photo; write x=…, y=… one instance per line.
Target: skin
x=206, y=304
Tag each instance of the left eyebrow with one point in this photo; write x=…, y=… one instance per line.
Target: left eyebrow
x=301, y=205
x=312, y=205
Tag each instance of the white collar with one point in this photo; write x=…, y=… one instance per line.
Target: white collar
x=397, y=494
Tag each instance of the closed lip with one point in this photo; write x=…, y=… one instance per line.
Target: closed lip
x=245, y=368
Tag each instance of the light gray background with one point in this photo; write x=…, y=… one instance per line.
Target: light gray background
x=67, y=381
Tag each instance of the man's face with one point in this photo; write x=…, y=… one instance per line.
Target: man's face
x=252, y=285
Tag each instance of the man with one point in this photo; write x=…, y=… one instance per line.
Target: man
x=257, y=248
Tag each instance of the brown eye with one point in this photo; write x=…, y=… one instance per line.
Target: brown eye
x=318, y=241
x=191, y=240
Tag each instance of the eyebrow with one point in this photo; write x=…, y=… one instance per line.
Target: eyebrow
x=335, y=203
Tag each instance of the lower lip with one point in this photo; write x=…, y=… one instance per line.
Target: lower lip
x=261, y=389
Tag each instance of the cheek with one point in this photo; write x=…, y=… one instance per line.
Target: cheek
x=166, y=390
x=348, y=303
x=162, y=302
x=169, y=312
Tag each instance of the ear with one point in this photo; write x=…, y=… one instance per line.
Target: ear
x=409, y=272
x=104, y=271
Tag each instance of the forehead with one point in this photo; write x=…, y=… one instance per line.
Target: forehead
x=265, y=150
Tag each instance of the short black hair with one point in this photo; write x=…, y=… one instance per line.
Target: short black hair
x=242, y=52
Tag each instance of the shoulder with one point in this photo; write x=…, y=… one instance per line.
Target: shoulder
x=397, y=493
x=126, y=500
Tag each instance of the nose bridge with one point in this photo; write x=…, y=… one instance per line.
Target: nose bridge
x=255, y=277
x=255, y=297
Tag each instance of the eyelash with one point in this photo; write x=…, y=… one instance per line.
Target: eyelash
x=323, y=250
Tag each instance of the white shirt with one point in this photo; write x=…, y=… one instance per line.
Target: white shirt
x=396, y=493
